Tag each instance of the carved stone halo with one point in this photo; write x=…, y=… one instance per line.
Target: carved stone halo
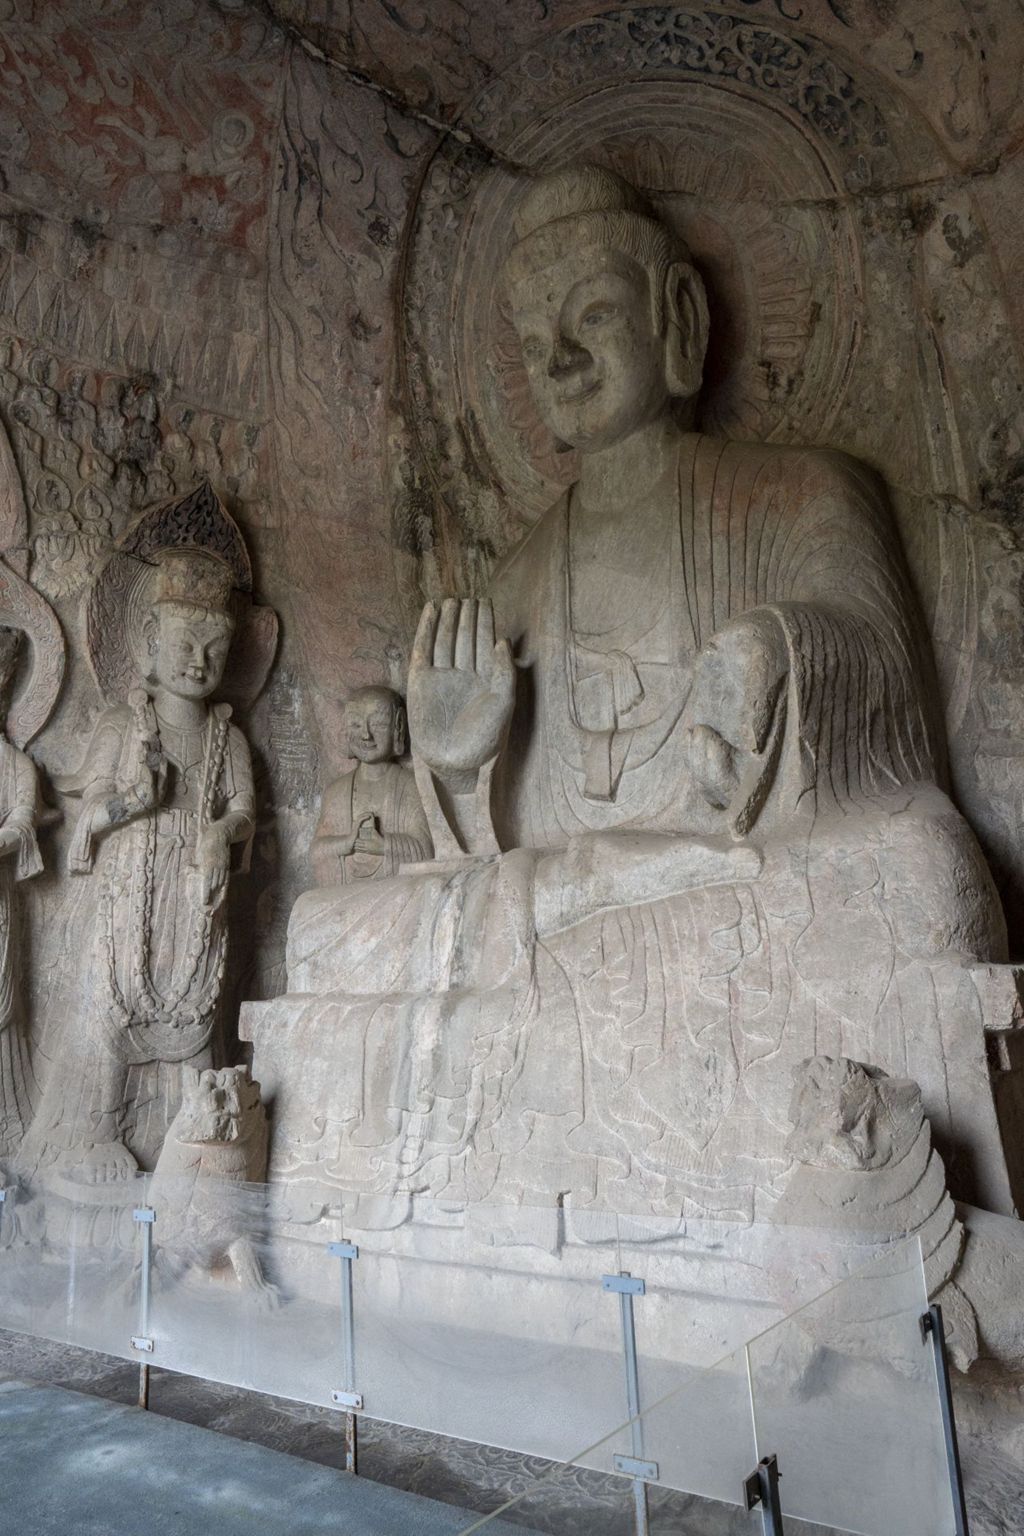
x=128, y=584
x=746, y=141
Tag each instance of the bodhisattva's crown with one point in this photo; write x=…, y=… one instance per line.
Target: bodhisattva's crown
x=193, y=576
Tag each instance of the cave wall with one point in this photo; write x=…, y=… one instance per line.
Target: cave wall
x=254, y=241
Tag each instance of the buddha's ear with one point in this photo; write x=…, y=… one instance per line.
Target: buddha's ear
x=686, y=329
x=401, y=730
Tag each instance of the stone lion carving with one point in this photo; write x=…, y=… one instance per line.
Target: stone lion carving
x=868, y=1172
x=216, y=1141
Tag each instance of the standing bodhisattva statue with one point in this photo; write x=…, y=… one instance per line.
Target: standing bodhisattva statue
x=167, y=794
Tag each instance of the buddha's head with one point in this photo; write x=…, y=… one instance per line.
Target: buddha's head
x=375, y=725
x=187, y=631
x=610, y=311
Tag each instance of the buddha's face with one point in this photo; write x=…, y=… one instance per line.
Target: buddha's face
x=371, y=728
x=595, y=361
x=189, y=647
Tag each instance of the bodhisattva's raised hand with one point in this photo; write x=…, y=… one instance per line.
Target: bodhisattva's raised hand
x=461, y=689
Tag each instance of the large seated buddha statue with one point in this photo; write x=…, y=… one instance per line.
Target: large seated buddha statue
x=683, y=772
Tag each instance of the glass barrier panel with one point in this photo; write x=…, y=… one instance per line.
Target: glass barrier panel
x=484, y=1324
x=70, y=1263
x=845, y=1395
x=244, y=1287
x=842, y=1392
x=684, y=1460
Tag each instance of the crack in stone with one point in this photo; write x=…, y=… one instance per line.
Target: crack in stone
x=468, y=139
x=462, y=136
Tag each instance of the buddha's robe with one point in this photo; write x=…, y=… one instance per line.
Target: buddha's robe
x=803, y=533
x=638, y=1052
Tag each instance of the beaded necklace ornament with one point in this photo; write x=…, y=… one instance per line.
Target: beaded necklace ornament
x=193, y=1003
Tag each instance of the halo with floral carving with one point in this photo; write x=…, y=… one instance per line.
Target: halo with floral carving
x=746, y=141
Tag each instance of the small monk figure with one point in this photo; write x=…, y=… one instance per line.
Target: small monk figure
x=372, y=819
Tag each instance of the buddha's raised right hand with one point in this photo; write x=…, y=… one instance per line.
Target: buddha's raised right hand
x=461, y=689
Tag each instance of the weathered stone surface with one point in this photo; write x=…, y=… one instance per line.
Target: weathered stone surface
x=166, y=791
x=681, y=770
x=259, y=244
x=371, y=820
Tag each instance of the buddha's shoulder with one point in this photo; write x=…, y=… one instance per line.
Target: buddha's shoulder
x=534, y=547
x=807, y=470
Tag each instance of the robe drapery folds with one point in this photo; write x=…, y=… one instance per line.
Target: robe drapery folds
x=805, y=535
x=641, y=1056
x=397, y=805
x=158, y=948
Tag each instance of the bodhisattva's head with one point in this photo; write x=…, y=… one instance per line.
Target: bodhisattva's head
x=188, y=629
x=375, y=725
x=610, y=312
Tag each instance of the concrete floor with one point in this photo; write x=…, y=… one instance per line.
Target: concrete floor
x=454, y=1473
x=80, y=1466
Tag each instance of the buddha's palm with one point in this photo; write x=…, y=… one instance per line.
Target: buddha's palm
x=461, y=687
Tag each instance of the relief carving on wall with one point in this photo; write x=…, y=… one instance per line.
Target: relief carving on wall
x=29, y=686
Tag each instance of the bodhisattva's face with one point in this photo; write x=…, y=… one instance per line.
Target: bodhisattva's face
x=190, y=652
x=370, y=726
x=595, y=362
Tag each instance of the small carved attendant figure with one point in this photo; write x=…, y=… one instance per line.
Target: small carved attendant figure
x=372, y=820
x=19, y=858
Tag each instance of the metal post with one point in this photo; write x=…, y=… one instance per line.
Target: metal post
x=3, y=1199
x=642, y=1472
x=347, y=1397
x=762, y=1487
x=145, y=1216
x=933, y=1329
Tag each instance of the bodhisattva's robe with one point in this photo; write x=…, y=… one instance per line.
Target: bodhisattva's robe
x=640, y=1055
x=151, y=989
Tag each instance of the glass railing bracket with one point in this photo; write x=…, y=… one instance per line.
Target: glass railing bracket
x=762, y=1488
x=629, y=1466
x=623, y=1285
x=144, y=1217
x=626, y=1286
x=346, y=1396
